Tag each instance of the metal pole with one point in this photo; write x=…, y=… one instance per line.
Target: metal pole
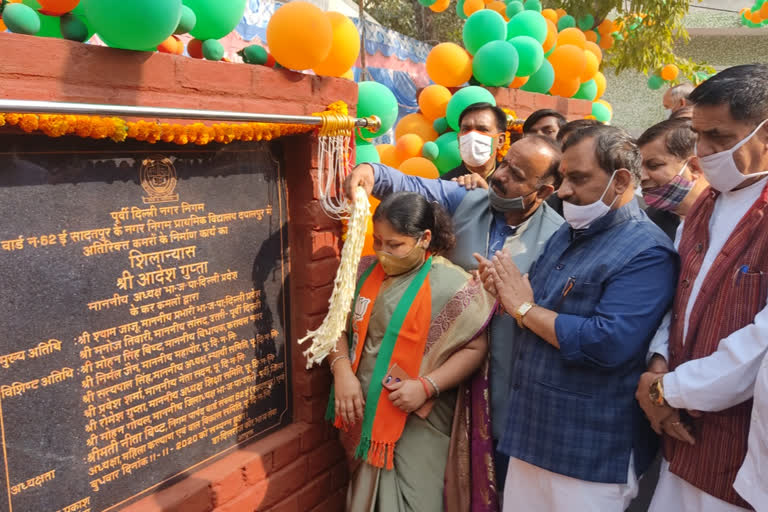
x=53, y=107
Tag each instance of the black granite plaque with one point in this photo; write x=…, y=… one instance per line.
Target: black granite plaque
x=143, y=314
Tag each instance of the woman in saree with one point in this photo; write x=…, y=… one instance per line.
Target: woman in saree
x=417, y=331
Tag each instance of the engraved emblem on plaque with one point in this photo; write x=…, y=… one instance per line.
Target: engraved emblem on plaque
x=158, y=179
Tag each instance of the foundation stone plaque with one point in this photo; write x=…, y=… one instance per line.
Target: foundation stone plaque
x=143, y=291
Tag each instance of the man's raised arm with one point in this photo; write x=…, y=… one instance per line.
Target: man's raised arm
x=380, y=181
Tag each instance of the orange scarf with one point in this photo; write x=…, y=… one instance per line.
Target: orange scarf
x=404, y=343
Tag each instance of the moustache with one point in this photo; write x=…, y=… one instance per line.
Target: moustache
x=498, y=185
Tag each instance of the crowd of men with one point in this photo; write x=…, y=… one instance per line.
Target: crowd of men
x=632, y=277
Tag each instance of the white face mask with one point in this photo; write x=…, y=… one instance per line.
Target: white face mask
x=475, y=148
x=720, y=168
x=582, y=216
x=668, y=112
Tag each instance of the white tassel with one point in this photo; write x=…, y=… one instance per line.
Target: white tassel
x=325, y=337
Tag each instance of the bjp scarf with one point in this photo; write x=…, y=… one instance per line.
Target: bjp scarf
x=404, y=343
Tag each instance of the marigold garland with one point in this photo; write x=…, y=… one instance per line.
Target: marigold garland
x=118, y=130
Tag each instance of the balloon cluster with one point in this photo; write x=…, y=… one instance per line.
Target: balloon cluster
x=301, y=36
x=667, y=74
x=525, y=47
x=143, y=25
x=47, y=18
x=755, y=16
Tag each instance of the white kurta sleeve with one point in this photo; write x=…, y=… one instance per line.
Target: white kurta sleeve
x=660, y=342
x=725, y=378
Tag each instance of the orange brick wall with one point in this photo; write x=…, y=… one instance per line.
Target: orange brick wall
x=301, y=467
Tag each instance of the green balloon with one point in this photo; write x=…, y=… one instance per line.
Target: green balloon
x=376, y=99
x=187, y=22
x=213, y=50
x=134, y=25
x=448, y=157
x=495, y=64
x=440, y=125
x=655, y=82
x=464, y=98
x=254, y=54
x=586, y=22
x=528, y=23
x=73, y=28
x=546, y=55
x=21, y=19
x=482, y=27
x=601, y=112
x=587, y=91
x=533, y=5
x=460, y=9
x=531, y=54
x=215, y=18
x=366, y=153
x=565, y=22
x=542, y=80
x=514, y=7
x=430, y=150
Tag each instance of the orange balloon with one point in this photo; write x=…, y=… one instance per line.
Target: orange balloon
x=420, y=166
x=560, y=13
x=440, y=5
x=299, y=35
x=764, y=11
x=2, y=25
x=591, y=36
x=349, y=74
x=408, y=146
x=417, y=124
x=595, y=49
x=605, y=27
x=498, y=6
x=669, y=72
x=518, y=82
x=387, y=155
x=591, y=67
x=550, y=14
x=345, y=46
x=195, y=48
x=755, y=17
x=449, y=64
x=471, y=6
x=568, y=62
x=57, y=7
x=551, y=39
x=601, y=84
x=565, y=88
x=433, y=101
x=572, y=36
x=606, y=42
x=170, y=45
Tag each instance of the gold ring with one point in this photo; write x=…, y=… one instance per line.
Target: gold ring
x=675, y=423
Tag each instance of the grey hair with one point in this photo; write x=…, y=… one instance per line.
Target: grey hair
x=680, y=92
x=614, y=149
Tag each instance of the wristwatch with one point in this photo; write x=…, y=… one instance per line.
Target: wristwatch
x=656, y=392
x=523, y=310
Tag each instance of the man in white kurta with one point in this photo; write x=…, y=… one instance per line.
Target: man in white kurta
x=729, y=118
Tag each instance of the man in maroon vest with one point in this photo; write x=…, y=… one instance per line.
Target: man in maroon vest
x=719, y=328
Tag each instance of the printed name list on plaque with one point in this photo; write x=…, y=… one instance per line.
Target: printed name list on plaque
x=143, y=315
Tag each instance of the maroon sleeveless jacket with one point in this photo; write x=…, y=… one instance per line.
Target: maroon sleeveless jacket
x=733, y=292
